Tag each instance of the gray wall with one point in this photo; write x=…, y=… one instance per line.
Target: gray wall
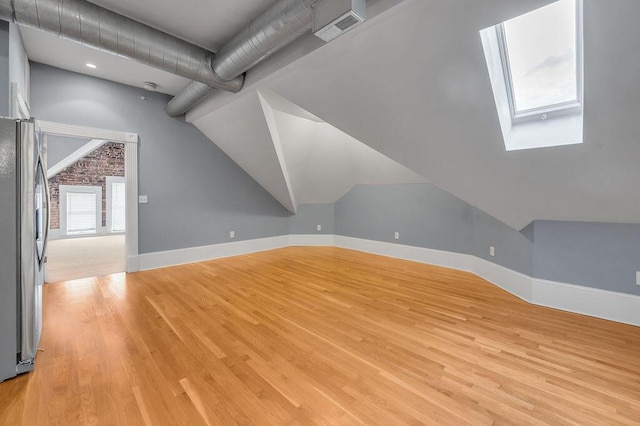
x=309, y=216
x=599, y=255
x=513, y=249
x=59, y=148
x=196, y=193
x=5, y=84
x=423, y=214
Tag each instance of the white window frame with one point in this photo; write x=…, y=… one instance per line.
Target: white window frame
x=547, y=111
x=110, y=180
x=63, y=191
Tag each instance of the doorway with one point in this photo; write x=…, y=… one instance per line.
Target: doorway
x=92, y=176
x=87, y=208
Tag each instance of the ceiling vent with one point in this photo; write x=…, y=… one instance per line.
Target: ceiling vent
x=333, y=18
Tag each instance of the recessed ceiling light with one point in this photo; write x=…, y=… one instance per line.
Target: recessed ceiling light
x=92, y=66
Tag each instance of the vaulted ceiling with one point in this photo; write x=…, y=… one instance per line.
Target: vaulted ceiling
x=412, y=84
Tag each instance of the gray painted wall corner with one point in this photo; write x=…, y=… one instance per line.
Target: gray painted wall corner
x=309, y=216
x=423, y=214
x=513, y=249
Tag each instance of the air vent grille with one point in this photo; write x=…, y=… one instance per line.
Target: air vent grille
x=347, y=22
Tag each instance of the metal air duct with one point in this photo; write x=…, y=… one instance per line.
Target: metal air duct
x=275, y=28
x=100, y=28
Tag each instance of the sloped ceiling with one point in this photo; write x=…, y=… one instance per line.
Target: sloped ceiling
x=412, y=84
x=295, y=156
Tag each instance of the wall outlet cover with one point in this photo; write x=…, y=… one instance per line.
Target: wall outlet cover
x=318, y=227
x=396, y=235
x=143, y=199
x=232, y=234
x=637, y=277
x=492, y=251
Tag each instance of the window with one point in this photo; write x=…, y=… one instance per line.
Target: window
x=534, y=64
x=80, y=209
x=116, y=203
x=541, y=56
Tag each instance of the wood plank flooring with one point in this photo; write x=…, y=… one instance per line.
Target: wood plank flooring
x=319, y=336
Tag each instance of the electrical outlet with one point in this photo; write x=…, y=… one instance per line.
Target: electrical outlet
x=396, y=235
x=637, y=277
x=492, y=251
x=232, y=234
x=143, y=199
x=318, y=227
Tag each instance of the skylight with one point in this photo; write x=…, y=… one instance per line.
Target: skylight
x=534, y=63
x=540, y=52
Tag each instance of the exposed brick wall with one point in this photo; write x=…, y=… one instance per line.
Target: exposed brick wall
x=91, y=170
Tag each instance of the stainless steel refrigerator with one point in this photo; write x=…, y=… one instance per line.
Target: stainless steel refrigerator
x=24, y=224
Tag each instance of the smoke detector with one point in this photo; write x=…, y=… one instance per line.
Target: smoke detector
x=151, y=87
x=332, y=18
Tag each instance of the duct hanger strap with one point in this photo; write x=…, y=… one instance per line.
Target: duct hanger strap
x=100, y=28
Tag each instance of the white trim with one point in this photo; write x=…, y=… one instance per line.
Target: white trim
x=76, y=155
x=507, y=279
x=446, y=259
x=109, y=181
x=131, y=207
x=72, y=130
x=19, y=108
x=594, y=302
x=621, y=307
x=311, y=240
x=131, y=173
x=216, y=251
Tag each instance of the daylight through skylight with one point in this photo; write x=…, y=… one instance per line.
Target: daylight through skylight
x=541, y=48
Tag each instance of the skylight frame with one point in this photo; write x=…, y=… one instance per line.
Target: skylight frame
x=552, y=110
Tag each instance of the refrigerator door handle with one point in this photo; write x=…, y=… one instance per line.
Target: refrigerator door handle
x=47, y=195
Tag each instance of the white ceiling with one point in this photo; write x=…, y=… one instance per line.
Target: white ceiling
x=412, y=83
x=61, y=53
x=207, y=23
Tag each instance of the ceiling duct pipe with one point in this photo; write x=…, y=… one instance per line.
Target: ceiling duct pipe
x=275, y=28
x=100, y=28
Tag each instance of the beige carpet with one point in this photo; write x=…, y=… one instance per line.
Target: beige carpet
x=75, y=258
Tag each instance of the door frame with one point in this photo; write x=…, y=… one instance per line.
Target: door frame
x=130, y=141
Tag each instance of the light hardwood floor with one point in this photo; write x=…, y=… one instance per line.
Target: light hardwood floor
x=319, y=336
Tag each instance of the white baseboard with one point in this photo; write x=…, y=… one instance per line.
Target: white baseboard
x=463, y=262
x=311, y=240
x=507, y=279
x=198, y=254
x=620, y=307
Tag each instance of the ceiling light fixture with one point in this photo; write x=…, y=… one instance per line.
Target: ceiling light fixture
x=91, y=66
